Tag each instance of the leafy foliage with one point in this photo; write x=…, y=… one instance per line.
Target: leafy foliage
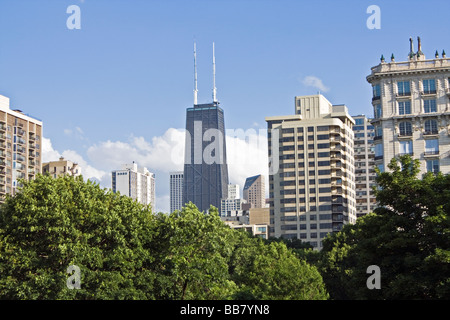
x=125, y=251
x=408, y=237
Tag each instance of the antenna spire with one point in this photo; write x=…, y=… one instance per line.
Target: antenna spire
x=214, y=95
x=195, y=75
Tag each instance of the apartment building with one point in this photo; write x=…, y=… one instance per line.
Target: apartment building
x=135, y=182
x=20, y=148
x=412, y=109
x=365, y=175
x=61, y=167
x=311, y=178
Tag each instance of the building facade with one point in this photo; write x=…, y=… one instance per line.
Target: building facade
x=176, y=190
x=365, y=174
x=412, y=110
x=61, y=167
x=205, y=169
x=254, y=191
x=135, y=182
x=311, y=170
x=20, y=148
x=232, y=204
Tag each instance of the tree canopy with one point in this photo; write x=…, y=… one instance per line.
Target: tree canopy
x=126, y=251
x=408, y=237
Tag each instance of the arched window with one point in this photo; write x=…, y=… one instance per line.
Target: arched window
x=431, y=127
x=405, y=128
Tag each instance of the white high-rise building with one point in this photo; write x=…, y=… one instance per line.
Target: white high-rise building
x=135, y=182
x=232, y=205
x=176, y=190
x=412, y=110
x=233, y=191
x=311, y=173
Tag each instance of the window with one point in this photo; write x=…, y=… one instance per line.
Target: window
x=404, y=107
x=431, y=127
x=431, y=146
x=429, y=86
x=376, y=91
x=357, y=128
x=406, y=147
x=377, y=111
x=403, y=88
x=379, y=151
x=429, y=106
x=378, y=131
x=405, y=128
x=433, y=166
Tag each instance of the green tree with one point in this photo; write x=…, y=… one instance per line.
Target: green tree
x=54, y=223
x=192, y=251
x=124, y=251
x=408, y=237
x=272, y=271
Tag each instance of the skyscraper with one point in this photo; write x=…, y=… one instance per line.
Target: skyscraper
x=411, y=110
x=254, y=191
x=20, y=148
x=313, y=191
x=176, y=190
x=135, y=182
x=205, y=180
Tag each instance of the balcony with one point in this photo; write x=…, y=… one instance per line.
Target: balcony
x=407, y=134
x=21, y=150
x=403, y=94
x=431, y=133
x=431, y=153
x=20, y=132
x=427, y=92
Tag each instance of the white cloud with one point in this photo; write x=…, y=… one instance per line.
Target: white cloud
x=164, y=153
x=48, y=153
x=315, y=82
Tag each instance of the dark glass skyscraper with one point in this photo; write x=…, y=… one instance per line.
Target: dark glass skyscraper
x=205, y=169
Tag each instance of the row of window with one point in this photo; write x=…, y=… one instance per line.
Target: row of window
x=405, y=128
x=404, y=108
x=404, y=88
x=406, y=147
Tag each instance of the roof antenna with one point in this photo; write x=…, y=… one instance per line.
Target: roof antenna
x=195, y=74
x=214, y=95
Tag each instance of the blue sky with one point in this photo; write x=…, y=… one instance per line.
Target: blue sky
x=109, y=93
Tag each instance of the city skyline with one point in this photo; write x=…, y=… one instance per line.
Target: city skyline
x=115, y=91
